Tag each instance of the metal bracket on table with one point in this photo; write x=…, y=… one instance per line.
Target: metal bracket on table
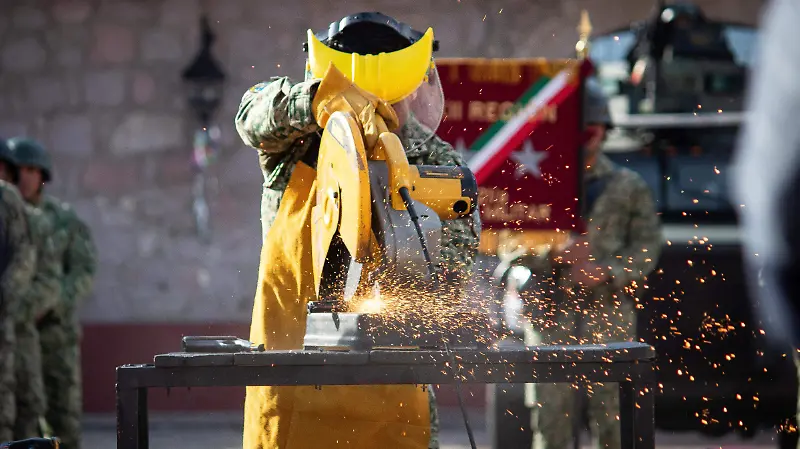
x=629, y=364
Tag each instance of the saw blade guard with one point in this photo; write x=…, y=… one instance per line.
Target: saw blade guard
x=421, y=112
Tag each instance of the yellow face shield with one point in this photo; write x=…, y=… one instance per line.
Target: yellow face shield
x=391, y=76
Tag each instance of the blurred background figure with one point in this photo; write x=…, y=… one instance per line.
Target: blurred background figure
x=38, y=296
x=767, y=180
x=59, y=330
x=587, y=290
x=767, y=176
x=17, y=265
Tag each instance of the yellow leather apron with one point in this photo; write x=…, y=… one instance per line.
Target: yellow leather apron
x=359, y=417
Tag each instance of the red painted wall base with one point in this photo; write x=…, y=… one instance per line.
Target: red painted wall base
x=107, y=346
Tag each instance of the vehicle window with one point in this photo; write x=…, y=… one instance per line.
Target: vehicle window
x=687, y=186
x=697, y=183
x=611, y=47
x=742, y=42
x=646, y=166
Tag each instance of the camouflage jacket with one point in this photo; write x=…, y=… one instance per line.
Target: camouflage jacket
x=275, y=118
x=18, y=250
x=624, y=232
x=44, y=292
x=74, y=249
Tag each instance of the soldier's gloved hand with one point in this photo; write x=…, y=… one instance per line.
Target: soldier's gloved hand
x=575, y=251
x=588, y=275
x=337, y=93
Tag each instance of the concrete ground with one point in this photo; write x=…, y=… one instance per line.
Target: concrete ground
x=223, y=431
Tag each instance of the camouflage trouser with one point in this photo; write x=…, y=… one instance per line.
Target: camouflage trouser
x=61, y=368
x=30, y=394
x=434, y=443
x=604, y=321
x=7, y=381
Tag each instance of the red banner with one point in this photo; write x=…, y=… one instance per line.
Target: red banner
x=518, y=124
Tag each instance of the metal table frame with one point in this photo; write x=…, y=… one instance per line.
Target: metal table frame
x=630, y=364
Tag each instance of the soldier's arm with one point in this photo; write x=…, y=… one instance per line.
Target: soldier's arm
x=461, y=237
x=541, y=263
x=21, y=268
x=80, y=264
x=272, y=115
x=46, y=289
x=640, y=255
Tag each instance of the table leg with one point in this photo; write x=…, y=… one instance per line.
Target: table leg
x=132, y=425
x=637, y=415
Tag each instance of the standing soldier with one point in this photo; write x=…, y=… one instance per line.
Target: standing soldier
x=59, y=328
x=41, y=296
x=278, y=119
x=595, y=278
x=17, y=266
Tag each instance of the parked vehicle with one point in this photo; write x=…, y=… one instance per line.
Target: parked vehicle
x=676, y=85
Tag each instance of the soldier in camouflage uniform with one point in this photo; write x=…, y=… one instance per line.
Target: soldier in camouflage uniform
x=587, y=288
x=276, y=118
x=41, y=296
x=17, y=268
x=59, y=329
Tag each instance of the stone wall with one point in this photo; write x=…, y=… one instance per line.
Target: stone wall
x=98, y=82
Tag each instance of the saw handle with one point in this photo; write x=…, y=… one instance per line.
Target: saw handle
x=390, y=149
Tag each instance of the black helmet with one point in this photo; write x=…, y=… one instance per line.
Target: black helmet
x=369, y=33
x=28, y=152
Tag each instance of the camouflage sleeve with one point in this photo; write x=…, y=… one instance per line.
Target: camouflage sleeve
x=45, y=292
x=21, y=267
x=274, y=114
x=80, y=264
x=641, y=254
x=461, y=237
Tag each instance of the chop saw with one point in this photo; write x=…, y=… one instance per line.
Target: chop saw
x=376, y=230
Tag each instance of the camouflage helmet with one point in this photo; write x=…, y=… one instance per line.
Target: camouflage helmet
x=595, y=105
x=28, y=152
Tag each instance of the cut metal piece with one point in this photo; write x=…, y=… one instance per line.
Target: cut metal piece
x=367, y=331
x=354, y=271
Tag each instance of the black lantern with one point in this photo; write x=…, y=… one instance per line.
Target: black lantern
x=204, y=78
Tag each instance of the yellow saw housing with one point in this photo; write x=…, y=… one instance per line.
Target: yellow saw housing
x=406, y=68
x=344, y=203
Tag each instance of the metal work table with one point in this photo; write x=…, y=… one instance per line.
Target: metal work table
x=630, y=364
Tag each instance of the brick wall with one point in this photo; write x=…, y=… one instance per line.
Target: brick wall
x=98, y=82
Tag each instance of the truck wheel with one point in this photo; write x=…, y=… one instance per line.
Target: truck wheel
x=508, y=420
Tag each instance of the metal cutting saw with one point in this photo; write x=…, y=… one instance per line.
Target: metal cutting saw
x=376, y=230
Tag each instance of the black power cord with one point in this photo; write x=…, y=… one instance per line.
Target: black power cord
x=408, y=202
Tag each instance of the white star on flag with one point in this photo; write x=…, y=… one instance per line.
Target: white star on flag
x=528, y=160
